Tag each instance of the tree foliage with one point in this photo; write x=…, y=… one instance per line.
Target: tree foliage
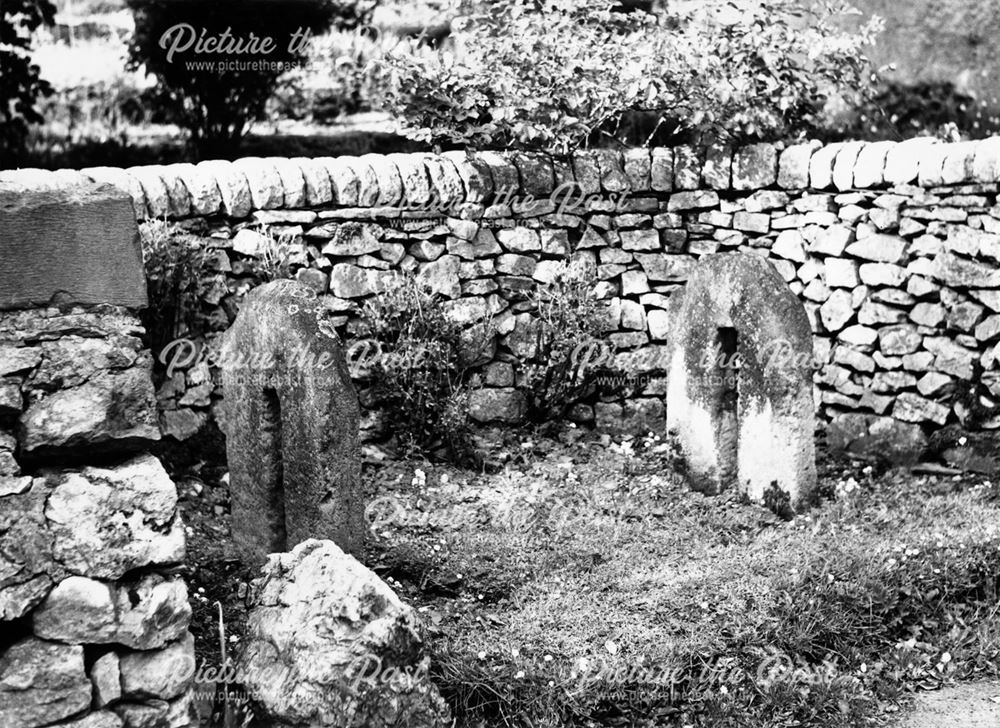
x=20, y=84
x=556, y=74
x=214, y=98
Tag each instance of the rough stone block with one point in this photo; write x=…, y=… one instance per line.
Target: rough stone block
x=318, y=188
x=793, y=165
x=843, y=166
x=234, y=189
x=869, y=169
x=266, y=189
x=201, y=186
x=351, y=624
x=662, y=169
x=70, y=246
x=902, y=163
x=41, y=683
x=876, y=438
x=475, y=174
x=504, y=405
x=292, y=421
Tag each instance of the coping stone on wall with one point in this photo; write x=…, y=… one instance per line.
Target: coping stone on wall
x=413, y=176
x=202, y=186
x=390, y=184
x=902, y=164
x=251, y=184
x=986, y=161
x=90, y=230
x=155, y=191
x=117, y=177
x=266, y=188
x=475, y=174
x=234, y=189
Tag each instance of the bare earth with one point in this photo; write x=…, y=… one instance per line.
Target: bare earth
x=970, y=705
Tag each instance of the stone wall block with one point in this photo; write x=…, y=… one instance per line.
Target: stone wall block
x=267, y=191
x=122, y=180
x=902, y=163
x=234, y=189
x=318, y=188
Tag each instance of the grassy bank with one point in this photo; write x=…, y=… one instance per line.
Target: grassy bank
x=587, y=586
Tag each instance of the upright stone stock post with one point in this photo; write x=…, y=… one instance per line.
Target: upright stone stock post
x=292, y=426
x=739, y=391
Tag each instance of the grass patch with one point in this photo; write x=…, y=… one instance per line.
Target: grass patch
x=591, y=587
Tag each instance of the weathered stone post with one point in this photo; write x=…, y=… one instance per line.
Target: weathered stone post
x=292, y=426
x=739, y=390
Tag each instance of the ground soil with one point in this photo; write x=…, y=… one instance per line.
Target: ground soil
x=968, y=705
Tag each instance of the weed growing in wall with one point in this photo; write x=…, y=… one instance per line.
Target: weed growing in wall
x=569, y=318
x=176, y=269
x=422, y=373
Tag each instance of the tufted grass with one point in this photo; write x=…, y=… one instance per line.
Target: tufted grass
x=588, y=587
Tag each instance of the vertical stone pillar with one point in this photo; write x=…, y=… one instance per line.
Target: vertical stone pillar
x=292, y=426
x=739, y=388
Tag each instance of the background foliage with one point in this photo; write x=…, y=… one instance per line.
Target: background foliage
x=20, y=84
x=216, y=106
x=558, y=73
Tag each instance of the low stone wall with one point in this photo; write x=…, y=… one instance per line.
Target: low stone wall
x=891, y=247
x=93, y=614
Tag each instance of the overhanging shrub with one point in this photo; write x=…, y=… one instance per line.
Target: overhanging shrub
x=554, y=74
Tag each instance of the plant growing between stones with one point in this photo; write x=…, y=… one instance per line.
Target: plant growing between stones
x=570, y=319
x=275, y=259
x=176, y=270
x=423, y=371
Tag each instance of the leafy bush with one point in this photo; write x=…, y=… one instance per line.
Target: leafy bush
x=570, y=320
x=20, y=84
x=338, y=79
x=555, y=74
x=216, y=105
x=422, y=374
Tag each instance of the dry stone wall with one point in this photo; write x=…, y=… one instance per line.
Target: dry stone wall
x=93, y=614
x=893, y=248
